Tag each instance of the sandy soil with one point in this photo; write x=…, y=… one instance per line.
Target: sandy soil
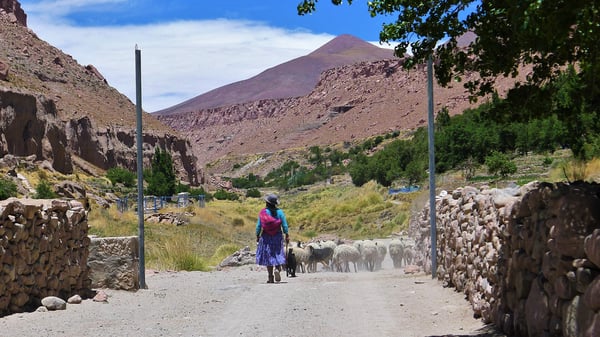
x=238, y=302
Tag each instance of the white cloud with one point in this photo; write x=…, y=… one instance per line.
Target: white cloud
x=180, y=60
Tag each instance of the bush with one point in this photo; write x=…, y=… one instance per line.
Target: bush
x=498, y=162
x=43, y=190
x=253, y=193
x=7, y=189
x=119, y=175
x=194, y=192
x=224, y=195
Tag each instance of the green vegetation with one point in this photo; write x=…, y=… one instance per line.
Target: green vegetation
x=251, y=181
x=7, y=188
x=556, y=101
x=43, y=190
x=225, y=195
x=120, y=175
x=161, y=177
x=498, y=162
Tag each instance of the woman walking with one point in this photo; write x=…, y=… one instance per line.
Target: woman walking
x=270, y=227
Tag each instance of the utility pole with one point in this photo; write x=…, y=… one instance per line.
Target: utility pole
x=140, y=165
x=430, y=132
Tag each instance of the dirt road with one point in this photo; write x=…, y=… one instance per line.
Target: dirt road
x=238, y=302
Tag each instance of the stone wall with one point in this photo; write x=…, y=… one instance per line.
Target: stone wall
x=528, y=258
x=44, y=249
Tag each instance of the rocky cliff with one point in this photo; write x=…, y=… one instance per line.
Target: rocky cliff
x=66, y=113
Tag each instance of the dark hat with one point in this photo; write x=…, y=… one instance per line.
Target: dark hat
x=272, y=199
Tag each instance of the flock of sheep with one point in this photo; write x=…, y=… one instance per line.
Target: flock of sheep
x=362, y=254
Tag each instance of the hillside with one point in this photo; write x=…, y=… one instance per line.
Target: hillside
x=349, y=103
x=66, y=113
x=294, y=78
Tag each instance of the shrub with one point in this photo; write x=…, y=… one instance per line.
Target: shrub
x=194, y=192
x=119, y=175
x=253, y=193
x=498, y=162
x=7, y=189
x=224, y=195
x=43, y=190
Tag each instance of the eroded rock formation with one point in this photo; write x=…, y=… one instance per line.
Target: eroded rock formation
x=29, y=125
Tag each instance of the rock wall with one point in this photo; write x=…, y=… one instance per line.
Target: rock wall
x=528, y=259
x=29, y=126
x=43, y=252
x=114, y=263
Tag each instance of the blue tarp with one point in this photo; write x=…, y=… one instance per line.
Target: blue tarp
x=403, y=189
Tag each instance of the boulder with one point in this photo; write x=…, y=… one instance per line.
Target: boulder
x=114, y=263
x=54, y=303
x=3, y=70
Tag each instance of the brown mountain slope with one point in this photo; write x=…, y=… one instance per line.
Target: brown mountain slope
x=349, y=103
x=66, y=113
x=294, y=78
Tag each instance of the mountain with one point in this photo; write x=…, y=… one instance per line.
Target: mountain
x=294, y=78
x=67, y=114
x=348, y=104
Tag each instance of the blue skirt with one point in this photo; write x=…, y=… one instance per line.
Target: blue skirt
x=270, y=250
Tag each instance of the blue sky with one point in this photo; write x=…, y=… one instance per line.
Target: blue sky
x=189, y=47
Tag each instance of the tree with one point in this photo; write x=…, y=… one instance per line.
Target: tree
x=545, y=36
x=161, y=178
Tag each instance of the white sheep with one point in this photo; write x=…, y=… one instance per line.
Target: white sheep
x=409, y=254
x=381, y=253
x=342, y=256
x=396, y=249
x=369, y=254
x=301, y=255
x=358, y=244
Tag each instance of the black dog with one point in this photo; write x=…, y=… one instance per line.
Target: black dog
x=290, y=266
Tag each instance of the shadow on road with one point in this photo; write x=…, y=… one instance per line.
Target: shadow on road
x=488, y=331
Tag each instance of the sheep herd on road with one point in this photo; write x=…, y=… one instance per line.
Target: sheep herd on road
x=361, y=255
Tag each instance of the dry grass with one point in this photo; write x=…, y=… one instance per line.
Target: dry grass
x=342, y=209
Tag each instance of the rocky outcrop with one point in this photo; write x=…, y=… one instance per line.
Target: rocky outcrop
x=60, y=111
x=29, y=126
x=526, y=258
x=43, y=252
x=242, y=257
x=12, y=9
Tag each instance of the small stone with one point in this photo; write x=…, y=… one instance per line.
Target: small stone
x=101, y=296
x=42, y=309
x=75, y=299
x=54, y=303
